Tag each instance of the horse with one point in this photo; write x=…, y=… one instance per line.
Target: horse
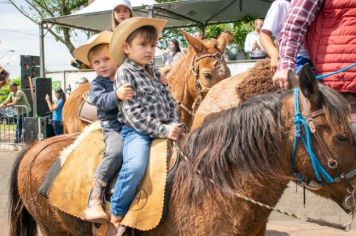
x=71, y=121
x=4, y=76
x=194, y=73
x=244, y=150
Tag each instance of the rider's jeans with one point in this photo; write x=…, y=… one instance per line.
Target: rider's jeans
x=112, y=159
x=136, y=151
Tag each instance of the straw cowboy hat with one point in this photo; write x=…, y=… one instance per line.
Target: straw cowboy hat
x=125, y=29
x=81, y=53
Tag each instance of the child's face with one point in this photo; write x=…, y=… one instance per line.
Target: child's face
x=121, y=13
x=140, y=50
x=103, y=64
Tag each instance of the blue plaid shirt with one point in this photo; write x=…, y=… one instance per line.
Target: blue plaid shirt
x=152, y=107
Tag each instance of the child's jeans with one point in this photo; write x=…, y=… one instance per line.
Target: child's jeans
x=136, y=151
x=299, y=63
x=112, y=159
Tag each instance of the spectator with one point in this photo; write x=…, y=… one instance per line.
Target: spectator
x=303, y=22
x=18, y=99
x=57, y=110
x=172, y=52
x=252, y=43
x=271, y=29
x=121, y=11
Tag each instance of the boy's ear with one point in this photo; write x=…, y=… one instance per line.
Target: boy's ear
x=125, y=47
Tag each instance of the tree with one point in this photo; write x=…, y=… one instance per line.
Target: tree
x=37, y=10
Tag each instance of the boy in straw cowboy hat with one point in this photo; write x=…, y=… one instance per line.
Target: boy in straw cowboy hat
x=95, y=53
x=151, y=113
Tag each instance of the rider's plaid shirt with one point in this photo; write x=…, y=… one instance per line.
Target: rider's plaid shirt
x=300, y=16
x=152, y=107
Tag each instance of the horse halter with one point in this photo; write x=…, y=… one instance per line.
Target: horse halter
x=202, y=90
x=310, y=126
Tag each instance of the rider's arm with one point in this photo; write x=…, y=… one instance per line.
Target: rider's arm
x=103, y=99
x=300, y=16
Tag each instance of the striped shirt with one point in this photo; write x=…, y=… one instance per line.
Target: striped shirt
x=300, y=16
x=152, y=107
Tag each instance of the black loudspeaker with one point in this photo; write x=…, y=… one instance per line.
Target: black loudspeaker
x=37, y=128
x=29, y=99
x=41, y=86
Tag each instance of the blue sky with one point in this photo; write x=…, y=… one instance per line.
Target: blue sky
x=21, y=35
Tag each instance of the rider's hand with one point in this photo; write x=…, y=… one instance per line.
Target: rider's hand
x=174, y=131
x=280, y=78
x=124, y=92
x=47, y=97
x=163, y=79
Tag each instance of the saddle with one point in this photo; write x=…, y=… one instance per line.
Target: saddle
x=87, y=111
x=70, y=188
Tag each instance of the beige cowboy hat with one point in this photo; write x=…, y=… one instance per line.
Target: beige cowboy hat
x=123, y=31
x=81, y=53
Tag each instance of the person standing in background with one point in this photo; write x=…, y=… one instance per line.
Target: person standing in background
x=252, y=42
x=18, y=99
x=57, y=110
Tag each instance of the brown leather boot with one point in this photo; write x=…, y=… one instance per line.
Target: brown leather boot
x=94, y=211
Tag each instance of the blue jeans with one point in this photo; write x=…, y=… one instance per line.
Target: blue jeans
x=112, y=159
x=299, y=63
x=19, y=124
x=135, y=160
x=58, y=127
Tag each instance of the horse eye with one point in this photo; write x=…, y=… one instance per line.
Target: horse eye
x=342, y=138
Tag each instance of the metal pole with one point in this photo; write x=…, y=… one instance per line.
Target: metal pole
x=42, y=55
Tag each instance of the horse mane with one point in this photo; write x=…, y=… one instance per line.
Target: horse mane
x=229, y=147
x=336, y=107
x=242, y=143
x=258, y=81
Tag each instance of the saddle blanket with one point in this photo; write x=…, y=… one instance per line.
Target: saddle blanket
x=70, y=189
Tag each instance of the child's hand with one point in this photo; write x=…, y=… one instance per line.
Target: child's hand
x=163, y=79
x=124, y=92
x=47, y=97
x=174, y=131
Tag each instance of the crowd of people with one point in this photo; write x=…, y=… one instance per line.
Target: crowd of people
x=135, y=106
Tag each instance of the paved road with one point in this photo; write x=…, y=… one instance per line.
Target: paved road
x=278, y=225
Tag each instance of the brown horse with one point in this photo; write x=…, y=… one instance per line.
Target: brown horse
x=71, y=121
x=192, y=76
x=4, y=76
x=245, y=150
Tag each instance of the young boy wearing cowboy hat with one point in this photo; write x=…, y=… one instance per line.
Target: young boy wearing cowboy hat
x=95, y=53
x=151, y=113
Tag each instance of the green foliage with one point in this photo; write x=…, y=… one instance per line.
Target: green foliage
x=4, y=91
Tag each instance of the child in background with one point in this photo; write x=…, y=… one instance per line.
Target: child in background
x=120, y=12
x=103, y=94
x=151, y=113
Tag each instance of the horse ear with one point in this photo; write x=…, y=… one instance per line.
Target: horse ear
x=197, y=44
x=224, y=39
x=308, y=84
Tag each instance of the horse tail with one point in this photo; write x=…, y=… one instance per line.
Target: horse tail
x=21, y=222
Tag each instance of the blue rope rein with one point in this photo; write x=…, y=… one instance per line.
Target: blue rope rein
x=300, y=123
x=320, y=77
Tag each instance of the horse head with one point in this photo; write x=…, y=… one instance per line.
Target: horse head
x=331, y=172
x=4, y=76
x=208, y=65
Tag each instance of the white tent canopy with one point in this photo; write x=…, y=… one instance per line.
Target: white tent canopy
x=97, y=16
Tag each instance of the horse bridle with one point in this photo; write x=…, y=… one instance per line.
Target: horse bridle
x=332, y=163
x=202, y=90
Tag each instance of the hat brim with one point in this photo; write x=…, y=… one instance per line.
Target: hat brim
x=125, y=28
x=82, y=52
